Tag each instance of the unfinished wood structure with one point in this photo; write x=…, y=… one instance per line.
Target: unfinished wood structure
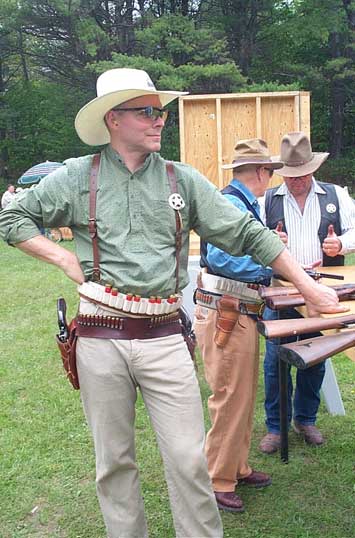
x=210, y=126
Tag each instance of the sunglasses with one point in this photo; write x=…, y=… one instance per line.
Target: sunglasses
x=147, y=112
x=270, y=170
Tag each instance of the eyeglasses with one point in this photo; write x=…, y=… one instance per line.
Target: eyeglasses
x=148, y=112
x=270, y=170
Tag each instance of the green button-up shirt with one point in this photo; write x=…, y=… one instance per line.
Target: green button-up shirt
x=136, y=225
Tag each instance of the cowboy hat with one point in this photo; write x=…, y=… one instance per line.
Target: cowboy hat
x=296, y=152
x=113, y=88
x=253, y=151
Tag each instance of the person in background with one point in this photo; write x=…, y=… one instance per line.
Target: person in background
x=232, y=370
x=318, y=222
x=8, y=195
x=130, y=266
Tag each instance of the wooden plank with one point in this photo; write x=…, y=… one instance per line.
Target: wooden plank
x=296, y=113
x=182, y=131
x=238, y=95
x=219, y=144
x=305, y=113
x=258, y=118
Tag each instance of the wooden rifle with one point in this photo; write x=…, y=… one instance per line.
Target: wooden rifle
x=306, y=353
x=295, y=327
x=280, y=298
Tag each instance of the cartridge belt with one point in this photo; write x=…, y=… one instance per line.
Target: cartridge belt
x=112, y=327
x=245, y=291
x=127, y=303
x=210, y=300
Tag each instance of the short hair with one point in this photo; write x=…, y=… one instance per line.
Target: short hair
x=246, y=168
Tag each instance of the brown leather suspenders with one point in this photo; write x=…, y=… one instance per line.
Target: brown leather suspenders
x=93, y=226
x=178, y=221
x=92, y=216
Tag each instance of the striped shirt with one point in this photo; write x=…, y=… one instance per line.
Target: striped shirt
x=302, y=228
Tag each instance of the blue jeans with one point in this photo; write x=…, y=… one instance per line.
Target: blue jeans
x=308, y=382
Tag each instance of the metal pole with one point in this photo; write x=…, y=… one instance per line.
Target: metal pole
x=283, y=390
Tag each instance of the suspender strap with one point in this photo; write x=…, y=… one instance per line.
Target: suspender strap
x=92, y=217
x=178, y=221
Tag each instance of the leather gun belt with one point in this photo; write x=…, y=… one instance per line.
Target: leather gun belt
x=211, y=300
x=112, y=327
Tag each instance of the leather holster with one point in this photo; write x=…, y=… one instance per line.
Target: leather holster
x=227, y=316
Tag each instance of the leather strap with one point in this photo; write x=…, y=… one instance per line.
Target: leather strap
x=117, y=322
x=178, y=221
x=126, y=328
x=92, y=216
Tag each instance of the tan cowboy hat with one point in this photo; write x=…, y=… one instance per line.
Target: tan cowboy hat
x=296, y=152
x=253, y=151
x=113, y=88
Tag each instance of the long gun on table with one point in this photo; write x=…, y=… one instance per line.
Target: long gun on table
x=281, y=301
x=306, y=353
x=295, y=327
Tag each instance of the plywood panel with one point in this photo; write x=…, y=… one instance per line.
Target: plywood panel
x=200, y=128
x=238, y=122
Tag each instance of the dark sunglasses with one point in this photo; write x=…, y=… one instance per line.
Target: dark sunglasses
x=149, y=112
x=270, y=170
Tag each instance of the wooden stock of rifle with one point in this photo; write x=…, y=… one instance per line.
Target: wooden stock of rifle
x=345, y=292
x=266, y=292
x=306, y=353
x=294, y=327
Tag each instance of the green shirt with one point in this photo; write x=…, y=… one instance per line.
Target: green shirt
x=136, y=225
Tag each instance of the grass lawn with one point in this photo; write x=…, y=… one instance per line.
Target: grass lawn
x=46, y=456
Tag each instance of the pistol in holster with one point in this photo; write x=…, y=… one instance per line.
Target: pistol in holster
x=227, y=316
x=66, y=340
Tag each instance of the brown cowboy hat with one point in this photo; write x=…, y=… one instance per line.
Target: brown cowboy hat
x=253, y=151
x=297, y=154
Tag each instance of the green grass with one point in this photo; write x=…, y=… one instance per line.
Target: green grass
x=46, y=454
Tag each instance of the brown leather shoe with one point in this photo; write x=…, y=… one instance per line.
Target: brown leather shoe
x=256, y=479
x=229, y=501
x=270, y=443
x=310, y=433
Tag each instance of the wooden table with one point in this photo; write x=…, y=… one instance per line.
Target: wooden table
x=348, y=272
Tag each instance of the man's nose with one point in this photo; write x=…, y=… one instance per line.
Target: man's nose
x=159, y=121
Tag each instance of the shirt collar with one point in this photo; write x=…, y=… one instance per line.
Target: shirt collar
x=247, y=193
x=116, y=158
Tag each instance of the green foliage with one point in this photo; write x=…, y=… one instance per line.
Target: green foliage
x=272, y=87
x=340, y=171
x=176, y=40
x=39, y=120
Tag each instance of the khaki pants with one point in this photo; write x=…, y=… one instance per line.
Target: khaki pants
x=110, y=371
x=232, y=373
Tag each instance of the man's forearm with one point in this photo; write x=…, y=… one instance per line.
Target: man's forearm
x=43, y=249
x=318, y=298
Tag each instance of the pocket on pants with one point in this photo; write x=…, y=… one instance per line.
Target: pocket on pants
x=201, y=314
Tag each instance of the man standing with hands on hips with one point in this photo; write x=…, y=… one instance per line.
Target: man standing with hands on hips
x=131, y=215
x=318, y=224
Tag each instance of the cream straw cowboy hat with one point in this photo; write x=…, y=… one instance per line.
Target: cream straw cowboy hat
x=113, y=88
x=296, y=153
x=253, y=151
